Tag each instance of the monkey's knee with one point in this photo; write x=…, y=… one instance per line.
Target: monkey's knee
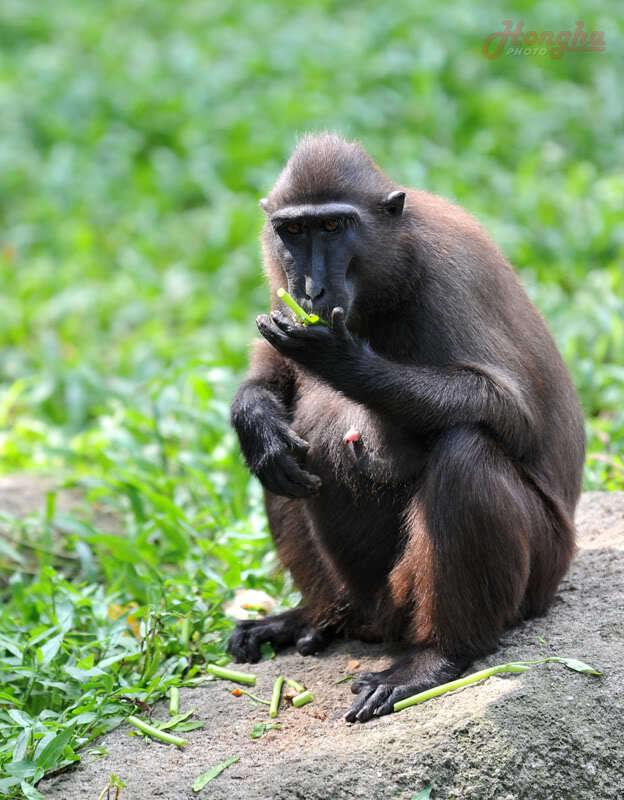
x=479, y=515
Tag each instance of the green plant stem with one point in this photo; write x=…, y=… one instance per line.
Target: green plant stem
x=254, y=697
x=513, y=666
x=155, y=733
x=298, y=687
x=232, y=675
x=302, y=699
x=300, y=313
x=104, y=790
x=275, y=697
x=174, y=701
x=185, y=631
x=459, y=683
x=344, y=680
x=292, y=304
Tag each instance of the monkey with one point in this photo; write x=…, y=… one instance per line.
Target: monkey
x=421, y=454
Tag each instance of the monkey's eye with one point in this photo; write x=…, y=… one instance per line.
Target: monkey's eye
x=294, y=228
x=330, y=224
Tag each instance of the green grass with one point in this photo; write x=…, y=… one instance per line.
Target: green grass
x=136, y=140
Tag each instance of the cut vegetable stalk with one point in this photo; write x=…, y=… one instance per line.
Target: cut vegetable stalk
x=155, y=733
x=275, y=698
x=300, y=313
x=513, y=666
x=174, y=700
x=299, y=687
x=302, y=699
x=232, y=675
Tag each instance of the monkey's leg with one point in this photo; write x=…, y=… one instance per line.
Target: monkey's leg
x=472, y=532
x=312, y=626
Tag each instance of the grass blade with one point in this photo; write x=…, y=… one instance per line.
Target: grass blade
x=201, y=780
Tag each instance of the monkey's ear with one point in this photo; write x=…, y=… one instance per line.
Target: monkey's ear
x=264, y=203
x=393, y=203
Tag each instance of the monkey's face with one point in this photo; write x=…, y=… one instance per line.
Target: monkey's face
x=330, y=252
x=317, y=246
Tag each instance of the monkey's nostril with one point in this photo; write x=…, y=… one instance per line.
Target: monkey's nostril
x=314, y=292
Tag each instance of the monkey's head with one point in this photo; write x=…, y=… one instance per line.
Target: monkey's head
x=330, y=216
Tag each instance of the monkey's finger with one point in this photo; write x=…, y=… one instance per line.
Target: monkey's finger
x=312, y=485
x=366, y=703
x=338, y=320
x=285, y=324
x=296, y=443
x=297, y=481
x=282, y=320
x=287, y=479
x=272, y=333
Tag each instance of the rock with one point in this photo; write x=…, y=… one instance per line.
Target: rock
x=549, y=733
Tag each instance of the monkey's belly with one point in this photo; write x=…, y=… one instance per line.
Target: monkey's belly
x=348, y=441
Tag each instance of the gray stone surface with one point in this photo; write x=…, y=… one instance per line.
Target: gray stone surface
x=549, y=733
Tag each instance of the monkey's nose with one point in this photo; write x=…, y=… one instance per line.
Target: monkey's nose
x=313, y=290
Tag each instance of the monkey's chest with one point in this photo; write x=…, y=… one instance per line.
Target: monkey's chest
x=349, y=442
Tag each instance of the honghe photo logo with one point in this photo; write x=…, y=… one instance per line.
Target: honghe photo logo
x=541, y=43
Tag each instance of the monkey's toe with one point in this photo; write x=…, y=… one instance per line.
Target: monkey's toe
x=311, y=641
x=378, y=699
x=398, y=693
x=367, y=704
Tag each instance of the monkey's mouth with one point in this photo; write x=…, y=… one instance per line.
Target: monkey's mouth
x=321, y=309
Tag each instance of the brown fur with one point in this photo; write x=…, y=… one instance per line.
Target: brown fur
x=452, y=517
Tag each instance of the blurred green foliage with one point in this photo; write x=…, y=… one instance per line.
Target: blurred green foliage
x=136, y=138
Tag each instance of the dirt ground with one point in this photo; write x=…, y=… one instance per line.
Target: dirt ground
x=549, y=733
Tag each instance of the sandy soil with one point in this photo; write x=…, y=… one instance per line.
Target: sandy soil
x=549, y=733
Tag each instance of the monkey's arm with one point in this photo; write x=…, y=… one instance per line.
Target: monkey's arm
x=260, y=418
x=419, y=397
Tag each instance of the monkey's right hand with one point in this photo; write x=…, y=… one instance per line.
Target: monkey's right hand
x=275, y=460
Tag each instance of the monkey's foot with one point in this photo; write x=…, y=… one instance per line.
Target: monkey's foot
x=281, y=630
x=379, y=691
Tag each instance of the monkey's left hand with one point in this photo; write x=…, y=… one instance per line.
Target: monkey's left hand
x=321, y=349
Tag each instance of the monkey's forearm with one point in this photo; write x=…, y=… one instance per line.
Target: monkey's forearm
x=255, y=409
x=422, y=398
x=428, y=398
